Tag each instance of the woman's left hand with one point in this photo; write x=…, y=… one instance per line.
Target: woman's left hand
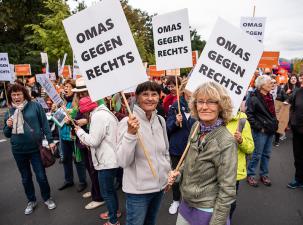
x=81, y=122
x=238, y=137
x=77, y=128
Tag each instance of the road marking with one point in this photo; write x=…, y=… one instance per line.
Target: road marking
x=2, y=140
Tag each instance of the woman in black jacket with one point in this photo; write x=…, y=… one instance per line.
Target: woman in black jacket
x=262, y=117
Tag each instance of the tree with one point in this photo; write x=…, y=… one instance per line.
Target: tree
x=196, y=42
x=49, y=36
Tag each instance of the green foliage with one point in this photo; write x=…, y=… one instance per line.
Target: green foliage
x=297, y=64
x=49, y=36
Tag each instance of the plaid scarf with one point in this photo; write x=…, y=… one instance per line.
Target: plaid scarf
x=18, y=120
x=206, y=129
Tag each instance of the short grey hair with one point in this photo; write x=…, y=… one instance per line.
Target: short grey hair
x=261, y=80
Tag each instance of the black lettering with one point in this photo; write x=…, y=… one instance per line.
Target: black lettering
x=203, y=69
x=109, y=23
x=179, y=26
x=113, y=64
x=101, y=28
x=174, y=51
x=226, y=82
x=116, y=42
x=230, y=47
x=216, y=77
x=108, y=45
x=221, y=41
x=103, y=69
x=233, y=67
x=210, y=73
x=212, y=55
x=219, y=59
x=90, y=74
x=160, y=54
x=91, y=33
x=232, y=85
x=160, y=30
x=185, y=49
x=240, y=71
x=100, y=49
x=121, y=58
x=226, y=63
x=166, y=29
x=85, y=56
x=130, y=57
x=93, y=53
x=239, y=52
x=239, y=90
x=246, y=56
x=80, y=38
x=97, y=71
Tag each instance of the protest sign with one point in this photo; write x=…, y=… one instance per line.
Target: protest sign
x=58, y=117
x=195, y=57
x=61, y=67
x=229, y=58
x=12, y=67
x=5, y=70
x=269, y=59
x=49, y=88
x=105, y=49
x=175, y=72
x=153, y=72
x=172, y=40
x=42, y=102
x=76, y=70
x=66, y=72
x=254, y=26
x=23, y=70
x=44, y=57
x=52, y=76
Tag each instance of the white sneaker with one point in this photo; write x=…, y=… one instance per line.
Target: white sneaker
x=30, y=208
x=87, y=195
x=93, y=205
x=50, y=204
x=283, y=137
x=173, y=209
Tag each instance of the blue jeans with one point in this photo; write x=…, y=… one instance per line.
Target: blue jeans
x=263, y=146
x=142, y=209
x=23, y=162
x=109, y=193
x=68, y=149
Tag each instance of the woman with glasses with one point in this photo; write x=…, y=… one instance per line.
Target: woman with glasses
x=208, y=174
x=172, y=97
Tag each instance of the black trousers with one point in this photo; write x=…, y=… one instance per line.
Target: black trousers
x=176, y=186
x=234, y=204
x=297, y=143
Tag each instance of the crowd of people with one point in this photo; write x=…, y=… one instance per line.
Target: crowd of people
x=142, y=150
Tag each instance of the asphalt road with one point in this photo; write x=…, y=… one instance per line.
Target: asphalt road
x=276, y=205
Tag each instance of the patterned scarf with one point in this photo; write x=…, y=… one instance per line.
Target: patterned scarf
x=18, y=120
x=204, y=129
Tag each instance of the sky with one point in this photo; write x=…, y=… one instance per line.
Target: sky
x=284, y=18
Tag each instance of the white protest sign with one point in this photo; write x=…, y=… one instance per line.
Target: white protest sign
x=52, y=76
x=42, y=102
x=76, y=69
x=12, y=73
x=5, y=69
x=44, y=57
x=49, y=88
x=105, y=49
x=63, y=64
x=172, y=40
x=254, y=26
x=229, y=58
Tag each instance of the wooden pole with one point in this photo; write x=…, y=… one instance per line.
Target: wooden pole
x=146, y=153
x=254, y=11
x=178, y=97
x=6, y=99
x=168, y=187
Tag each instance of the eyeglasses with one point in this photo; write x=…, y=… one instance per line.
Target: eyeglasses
x=209, y=103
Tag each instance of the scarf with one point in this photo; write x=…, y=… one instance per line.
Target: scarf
x=269, y=102
x=18, y=120
x=206, y=129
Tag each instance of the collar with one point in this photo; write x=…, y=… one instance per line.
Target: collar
x=141, y=113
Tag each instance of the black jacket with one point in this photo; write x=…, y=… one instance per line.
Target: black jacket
x=281, y=94
x=259, y=115
x=296, y=110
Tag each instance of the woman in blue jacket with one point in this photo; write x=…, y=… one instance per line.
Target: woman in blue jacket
x=25, y=125
x=178, y=137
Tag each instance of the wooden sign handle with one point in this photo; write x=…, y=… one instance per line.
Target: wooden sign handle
x=178, y=98
x=145, y=151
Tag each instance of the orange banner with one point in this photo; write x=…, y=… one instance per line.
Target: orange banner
x=175, y=72
x=67, y=73
x=195, y=57
x=23, y=70
x=153, y=72
x=269, y=59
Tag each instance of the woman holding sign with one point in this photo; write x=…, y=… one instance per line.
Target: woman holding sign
x=208, y=175
x=144, y=191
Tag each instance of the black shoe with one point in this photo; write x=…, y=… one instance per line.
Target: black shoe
x=81, y=187
x=66, y=185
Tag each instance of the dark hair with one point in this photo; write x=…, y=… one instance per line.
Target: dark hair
x=17, y=88
x=70, y=81
x=172, y=80
x=148, y=86
x=291, y=86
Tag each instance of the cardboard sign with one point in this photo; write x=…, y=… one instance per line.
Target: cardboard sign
x=49, y=88
x=172, y=40
x=195, y=57
x=105, y=49
x=76, y=69
x=23, y=70
x=66, y=72
x=269, y=59
x=52, y=76
x=153, y=72
x=42, y=102
x=58, y=117
x=254, y=26
x=5, y=70
x=229, y=58
x=175, y=72
x=12, y=73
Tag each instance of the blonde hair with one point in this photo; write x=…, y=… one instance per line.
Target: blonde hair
x=215, y=92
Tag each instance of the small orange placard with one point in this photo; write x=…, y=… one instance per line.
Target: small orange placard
x=23, y=70
x=269, y=59
x=153, y=72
